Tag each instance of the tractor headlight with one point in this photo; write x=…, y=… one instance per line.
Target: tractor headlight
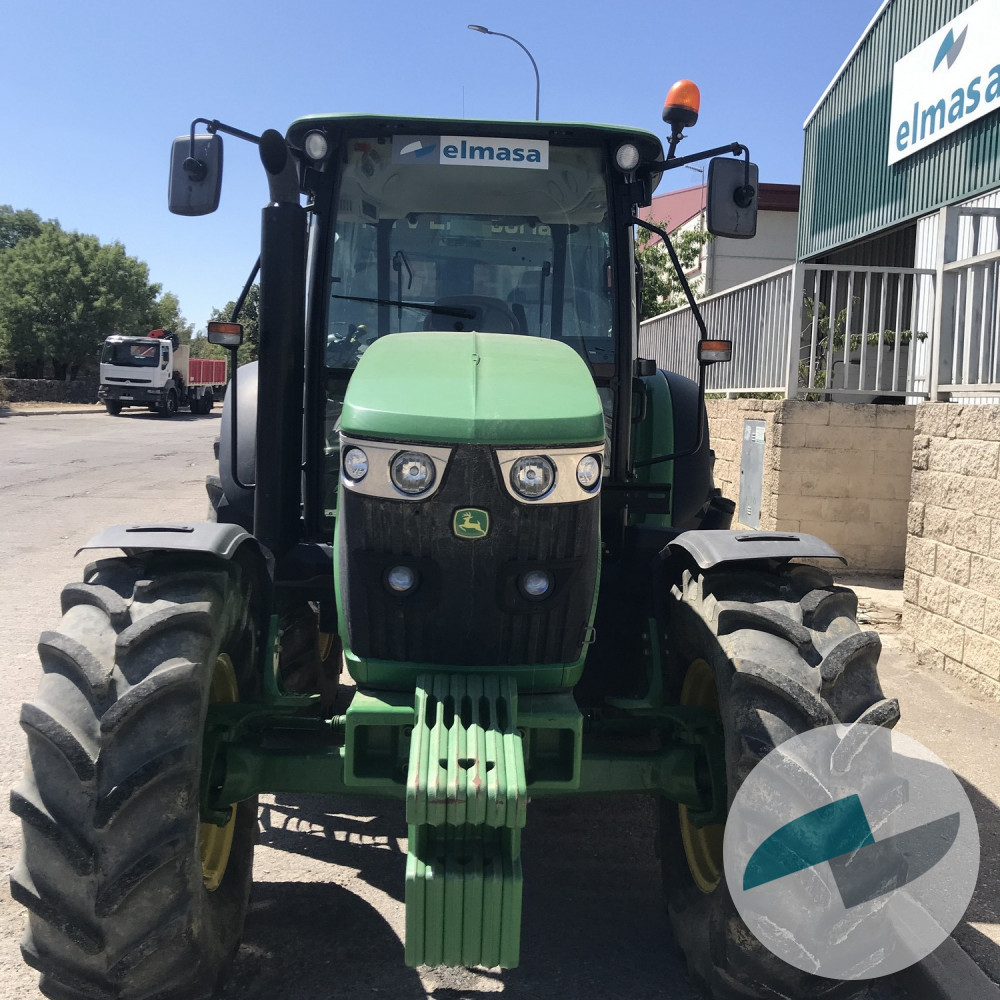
x=588, y=472
x=355, y=464
x=412, y=472
x=532, y=476
x=627, y=157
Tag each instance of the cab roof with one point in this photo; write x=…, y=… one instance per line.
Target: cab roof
x=372, y=124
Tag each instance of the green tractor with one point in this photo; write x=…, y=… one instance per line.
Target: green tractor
x=450, y=474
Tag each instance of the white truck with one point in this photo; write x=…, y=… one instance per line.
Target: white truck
x=157, y=371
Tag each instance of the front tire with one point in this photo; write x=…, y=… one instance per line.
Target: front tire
x=129, y=894
x=113, y=407
x=168, y=407
x=776, y=651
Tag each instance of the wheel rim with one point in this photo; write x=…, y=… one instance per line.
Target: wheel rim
x=702, y=845
x=215, y=842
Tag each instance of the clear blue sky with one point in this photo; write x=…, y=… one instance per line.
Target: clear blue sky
x=94, y=93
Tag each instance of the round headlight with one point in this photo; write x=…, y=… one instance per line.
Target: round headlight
x=536, y=583
x=355, y=464
x=588, y=471
x=401, y=579
x=412, y=472
x=532, y=476
x=627, y=157
x=316, y=145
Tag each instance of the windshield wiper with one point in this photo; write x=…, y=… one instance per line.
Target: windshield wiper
x=426, y=306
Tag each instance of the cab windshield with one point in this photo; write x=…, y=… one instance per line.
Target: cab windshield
x=131, y=355
x=449, y=233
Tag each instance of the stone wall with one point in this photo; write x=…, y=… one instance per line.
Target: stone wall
x=836, y=470
x=951, y=615
x=30, y=390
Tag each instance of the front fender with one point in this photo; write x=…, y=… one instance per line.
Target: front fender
x=710, y=548
x=208, y=537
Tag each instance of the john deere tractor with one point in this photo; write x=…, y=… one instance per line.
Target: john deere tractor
x=451, y=474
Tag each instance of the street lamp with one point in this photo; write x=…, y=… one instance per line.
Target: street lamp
x=534, y=66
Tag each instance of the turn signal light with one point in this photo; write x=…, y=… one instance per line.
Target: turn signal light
x=225, y=334
x=712, y=351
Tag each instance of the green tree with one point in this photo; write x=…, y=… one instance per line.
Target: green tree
x=16, y=225
x=166, y=315
x=661, y=288
x=249, y=317
x=61, y=294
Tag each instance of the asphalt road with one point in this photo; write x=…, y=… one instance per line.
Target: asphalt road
x=326, y=916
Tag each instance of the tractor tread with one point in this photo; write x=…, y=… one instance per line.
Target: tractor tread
x=103, y=598
x=838, y=659
x=66, y=655
x=77, y=853
x=735, y=615
x=36, y=721
x=176, y=678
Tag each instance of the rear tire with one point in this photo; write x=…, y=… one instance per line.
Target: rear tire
x=117, y=869
x=777, y=649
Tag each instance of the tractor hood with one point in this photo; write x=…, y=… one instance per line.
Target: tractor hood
x=473, y=388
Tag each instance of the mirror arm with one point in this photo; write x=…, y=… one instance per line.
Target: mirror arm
x=195, y=168
x=700, y=321
x=681, y=276
x=735, y=148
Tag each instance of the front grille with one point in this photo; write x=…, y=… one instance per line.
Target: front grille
x=467, y=609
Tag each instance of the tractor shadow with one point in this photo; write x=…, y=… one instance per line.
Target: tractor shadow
x=985, y=905
x=593, y=920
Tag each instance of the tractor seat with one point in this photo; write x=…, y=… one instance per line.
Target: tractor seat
x=471, y=312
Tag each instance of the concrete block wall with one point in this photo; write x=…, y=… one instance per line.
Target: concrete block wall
x=951, y=612
x=836, y=470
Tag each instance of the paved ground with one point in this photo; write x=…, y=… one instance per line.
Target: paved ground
x=963, y=728
x=327, y=913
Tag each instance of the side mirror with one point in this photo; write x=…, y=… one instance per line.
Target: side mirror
x=195, y=175
x=731, y=202
x=225, y=334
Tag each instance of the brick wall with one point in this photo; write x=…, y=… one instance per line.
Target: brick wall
x=951, y=615
x=839, y=471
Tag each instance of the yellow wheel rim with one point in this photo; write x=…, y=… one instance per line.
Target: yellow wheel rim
x=702, y=845
x=215, y=842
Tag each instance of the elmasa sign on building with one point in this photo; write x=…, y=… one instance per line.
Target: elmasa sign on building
x=949, y=80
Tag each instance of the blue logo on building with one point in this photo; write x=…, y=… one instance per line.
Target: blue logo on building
x=950, y=48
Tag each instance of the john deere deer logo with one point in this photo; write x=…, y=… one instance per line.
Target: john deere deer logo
x=470, y=522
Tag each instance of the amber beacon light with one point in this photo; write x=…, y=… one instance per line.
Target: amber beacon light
x=680, y=109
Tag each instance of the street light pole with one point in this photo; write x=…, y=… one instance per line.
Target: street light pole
x=534, y=65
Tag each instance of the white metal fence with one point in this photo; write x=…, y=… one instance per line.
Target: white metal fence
x=853, y=333
x=754, y=315
x=859, y=333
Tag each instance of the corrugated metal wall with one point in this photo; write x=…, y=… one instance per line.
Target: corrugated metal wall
x=848, y=190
